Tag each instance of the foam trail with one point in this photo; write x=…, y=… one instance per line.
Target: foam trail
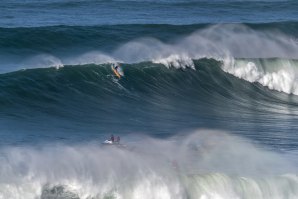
x=206, y=164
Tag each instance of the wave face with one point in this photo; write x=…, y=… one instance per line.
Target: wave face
x=159, y=99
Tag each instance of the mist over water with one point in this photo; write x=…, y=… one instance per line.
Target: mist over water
x=202, y=164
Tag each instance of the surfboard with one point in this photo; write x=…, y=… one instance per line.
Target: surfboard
x=116, y=72
x=107, y=142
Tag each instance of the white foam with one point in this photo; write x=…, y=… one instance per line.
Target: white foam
x=279, y=75
x=217, y=41
x=208, y=164
x=176, y=61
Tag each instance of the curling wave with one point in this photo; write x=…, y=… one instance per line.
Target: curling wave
x=265, y=54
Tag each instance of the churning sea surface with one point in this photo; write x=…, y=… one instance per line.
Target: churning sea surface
x=207, y=107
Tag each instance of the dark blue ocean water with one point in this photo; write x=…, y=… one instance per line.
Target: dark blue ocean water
x=208, y=99
x=91, y=12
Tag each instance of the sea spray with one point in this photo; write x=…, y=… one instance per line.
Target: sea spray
x=208, y=164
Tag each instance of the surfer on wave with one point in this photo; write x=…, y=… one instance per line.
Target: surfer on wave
x=117, y=70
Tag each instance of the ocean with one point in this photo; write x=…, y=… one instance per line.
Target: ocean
x=207, y=107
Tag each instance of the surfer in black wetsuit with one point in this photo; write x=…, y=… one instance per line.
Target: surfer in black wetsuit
x=112, y=138
x=116, y=66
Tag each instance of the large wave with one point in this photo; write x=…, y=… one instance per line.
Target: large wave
x=205, y=164
x=159, y=99
x=169, y=84
x=204, y=79
x=267, y=56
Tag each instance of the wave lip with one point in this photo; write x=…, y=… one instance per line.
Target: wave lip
x=176, y=61
x=276, y=74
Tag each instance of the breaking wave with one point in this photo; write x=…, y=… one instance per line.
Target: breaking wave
x=264, y=54
x=205, y=164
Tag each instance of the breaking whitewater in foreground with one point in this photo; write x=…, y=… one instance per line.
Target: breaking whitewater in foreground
x=205, y=164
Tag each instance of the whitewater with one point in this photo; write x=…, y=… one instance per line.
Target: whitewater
x=205, y=164
x=207, y=107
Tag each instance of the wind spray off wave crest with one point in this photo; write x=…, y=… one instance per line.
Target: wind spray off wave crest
x=226, y=42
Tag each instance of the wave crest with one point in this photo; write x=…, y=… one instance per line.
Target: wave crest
x=276, y=74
